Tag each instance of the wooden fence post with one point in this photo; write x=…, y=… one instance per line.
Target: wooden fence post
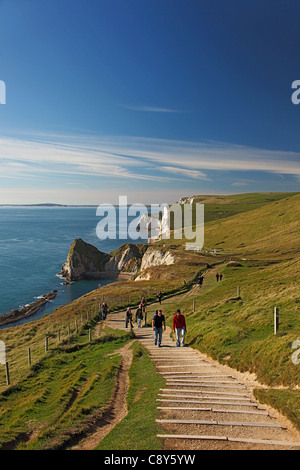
x=29, y=357
x=46, y=343
x=276, y=320
x=7, y=373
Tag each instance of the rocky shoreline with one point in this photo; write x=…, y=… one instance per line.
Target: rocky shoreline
x=27, y=310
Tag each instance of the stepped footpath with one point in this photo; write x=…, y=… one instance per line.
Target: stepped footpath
x=207, y=406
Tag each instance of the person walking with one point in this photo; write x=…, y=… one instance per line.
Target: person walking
x=158, y=323
x=104, y=310
x=128, y=318
x=220, y=276
x=143, y=305
x=217, y=276
x=139, y=316
x=179, y=328
x=159, y=296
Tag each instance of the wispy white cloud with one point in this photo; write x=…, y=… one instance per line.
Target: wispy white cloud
x=187, y=173
x=137, y=158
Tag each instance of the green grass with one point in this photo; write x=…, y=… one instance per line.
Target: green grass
x=240, y=331
x=285, y=401
x=138, y=430
x=54, y=404
x=50, y=403
x=269, y=232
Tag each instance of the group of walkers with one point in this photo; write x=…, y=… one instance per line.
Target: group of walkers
x=139, y=314
x=158, y=322
x=179, y=327
x=219, y=277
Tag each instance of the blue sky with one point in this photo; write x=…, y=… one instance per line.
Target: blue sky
x=151, y=99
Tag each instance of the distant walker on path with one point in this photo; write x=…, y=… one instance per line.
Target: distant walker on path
x=104, y=310
x=158, y=323
x=143, y=304
x=139, y=316
x=128, y=318
x=179, y=327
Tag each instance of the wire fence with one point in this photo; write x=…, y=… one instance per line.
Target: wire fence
x=79, y=327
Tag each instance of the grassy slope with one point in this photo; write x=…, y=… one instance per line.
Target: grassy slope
x=238, y=332
x=217, y=207
x=270, y=232
x=55, y=402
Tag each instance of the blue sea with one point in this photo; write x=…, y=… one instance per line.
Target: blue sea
x=34, y=243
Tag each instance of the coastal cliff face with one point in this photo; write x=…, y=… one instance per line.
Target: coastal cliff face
x=84, y=261
x=127, y=258
x=153, y=258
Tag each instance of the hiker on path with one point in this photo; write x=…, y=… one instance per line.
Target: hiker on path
x=158, y=323
x=128, y=318
x=139, y=316
x=104, y=310
x=220, y=276
x=179, y=327
x=159, y=296
x=143, y=305
x=217, y=276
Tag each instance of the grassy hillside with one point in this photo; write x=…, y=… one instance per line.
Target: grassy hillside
x=217, y=207
x=271, y=231
x=262, y=237
x=239, y=330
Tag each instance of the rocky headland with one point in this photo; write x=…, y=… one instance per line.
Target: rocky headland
x=85, y=261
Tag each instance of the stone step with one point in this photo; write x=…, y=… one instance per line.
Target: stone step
x=205, y=401
x=213, y=410
x=220, y=423
x=266, y=442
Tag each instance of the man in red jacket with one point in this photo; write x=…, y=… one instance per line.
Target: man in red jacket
x=179, y=327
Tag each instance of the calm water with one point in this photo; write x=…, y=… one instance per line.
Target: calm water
x=34, y=243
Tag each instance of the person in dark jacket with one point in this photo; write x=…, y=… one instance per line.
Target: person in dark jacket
x=139, y=316
x=104, y=310
x=158, y=323
x=128, y=318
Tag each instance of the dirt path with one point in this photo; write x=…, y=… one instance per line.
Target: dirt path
x=118, y=406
